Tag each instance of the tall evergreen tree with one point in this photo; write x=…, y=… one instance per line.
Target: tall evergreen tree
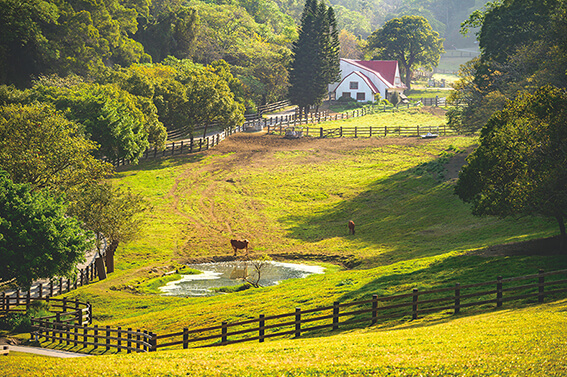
x=315, y=56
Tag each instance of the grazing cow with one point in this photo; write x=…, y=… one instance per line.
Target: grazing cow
x=351, y=227
x=239, y=245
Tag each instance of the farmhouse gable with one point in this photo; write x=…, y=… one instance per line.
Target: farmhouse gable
x=365, y=80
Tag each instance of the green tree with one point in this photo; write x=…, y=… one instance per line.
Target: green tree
x=110, y=213
x=37, y=238
x=39, y=146
x=110, y=116
x=523, y=47
x=519, y=166
x=315, y=56
x=411, y=41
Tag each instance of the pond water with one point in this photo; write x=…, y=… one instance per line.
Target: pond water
x=226, y=274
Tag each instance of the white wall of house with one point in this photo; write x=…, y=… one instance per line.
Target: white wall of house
x=356, y=87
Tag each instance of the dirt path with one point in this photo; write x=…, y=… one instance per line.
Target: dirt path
x=45, y=352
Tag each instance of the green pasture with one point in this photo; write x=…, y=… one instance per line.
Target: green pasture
x=522, y=342
x=294, y=203
x=292, y=200
x=394, y=118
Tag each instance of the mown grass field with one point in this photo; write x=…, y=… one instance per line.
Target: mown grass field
x=292, y=199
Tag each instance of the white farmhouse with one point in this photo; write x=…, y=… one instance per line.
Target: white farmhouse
x=363, y=80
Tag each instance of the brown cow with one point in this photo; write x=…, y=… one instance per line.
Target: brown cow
x=239, y=245
x=351, y=227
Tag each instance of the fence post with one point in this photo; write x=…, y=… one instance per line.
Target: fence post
x=95, y=337
x=107, y=338
x=321, y=132
x=297, y=322
x=385, y=131
x=370, y=132
x=90, y=313
x=129, y=341
x=261, y=325
x=153, y=342
x=457, y=298
x=185, y=338
x=200, y=144
x=374, y=309
x=181, y=148
x=191, y=144
x=355, y=131
x=85, y=336
x=499, y=291
x=119, y=336
x=51, y=288
x=341, y=134
x=4, y=301
x=58, y=326
x=414, y=306
x=541, y=282
x=224, y=331
x=64, y=304
x=335, y=315
x=138, y=339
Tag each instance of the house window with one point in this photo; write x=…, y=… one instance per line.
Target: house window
x=346, y=95
x=361, y=96
x=353, y=85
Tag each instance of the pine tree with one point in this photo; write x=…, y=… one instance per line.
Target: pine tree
x=316, y=56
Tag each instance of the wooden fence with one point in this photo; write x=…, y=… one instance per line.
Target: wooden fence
x=38, y=291
x=61, y=329
x=68, y=323
x=278, y=124
x=346, y=315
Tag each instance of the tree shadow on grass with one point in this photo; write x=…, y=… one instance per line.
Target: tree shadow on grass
x=161, y=162
x=411, y=215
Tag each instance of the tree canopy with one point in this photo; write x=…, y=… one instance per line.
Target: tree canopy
x=315, y=62
x=109, y=212
x=523, y=47
x=410, y=40
x=39, y=146
x=519, y=166
x=37, y=238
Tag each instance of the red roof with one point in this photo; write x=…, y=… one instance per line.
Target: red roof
x=384, y=68
x=387, y=68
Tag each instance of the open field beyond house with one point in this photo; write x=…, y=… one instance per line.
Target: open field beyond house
x=292, y=199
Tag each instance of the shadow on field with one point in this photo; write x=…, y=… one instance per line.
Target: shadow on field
x=161, y=162
x=463, y=269
x=411, y=215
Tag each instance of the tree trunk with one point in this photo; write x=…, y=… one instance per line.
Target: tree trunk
x=563, y=237
x=99, y=263
x=110, y=256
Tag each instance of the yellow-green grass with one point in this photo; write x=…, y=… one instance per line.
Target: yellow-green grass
x=520, y=342
x=403, y=117
x=292, y=199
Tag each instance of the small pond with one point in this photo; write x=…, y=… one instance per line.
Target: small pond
x=226, y=274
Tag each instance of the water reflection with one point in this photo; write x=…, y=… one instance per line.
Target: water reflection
x=226, y=274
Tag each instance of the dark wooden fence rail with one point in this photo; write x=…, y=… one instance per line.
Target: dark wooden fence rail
x=346, y=315
x=70, y=318
x=371, y=131
x=59, y=330
x=57, y=286
x=278, y=124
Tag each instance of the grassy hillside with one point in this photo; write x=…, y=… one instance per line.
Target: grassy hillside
x=522, y=342
x=292, y=199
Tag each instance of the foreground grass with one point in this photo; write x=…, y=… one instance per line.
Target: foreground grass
x=521, y=342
